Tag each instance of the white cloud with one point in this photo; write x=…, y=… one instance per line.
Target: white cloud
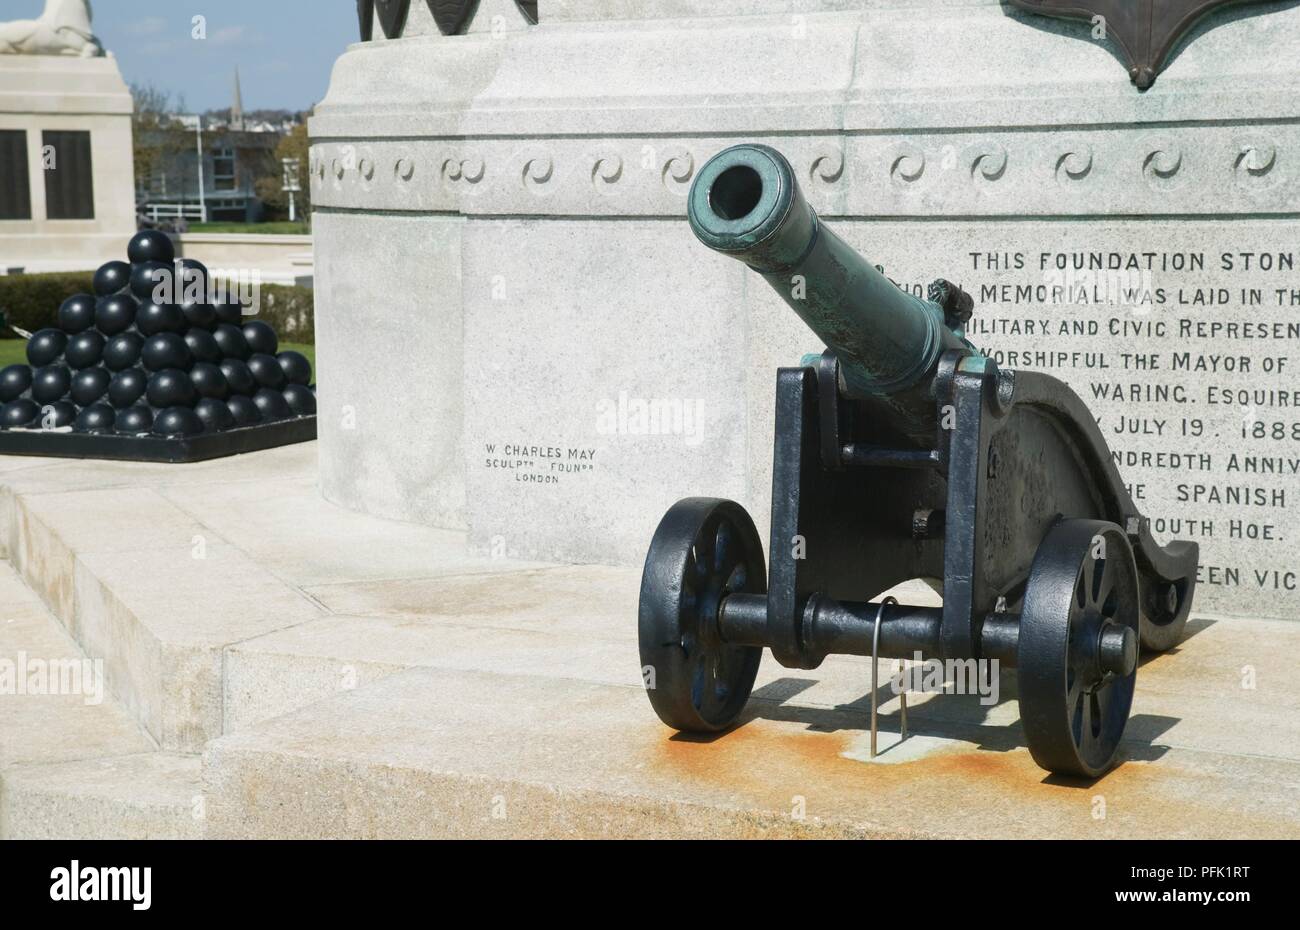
x=149, y=26
x=235, y=35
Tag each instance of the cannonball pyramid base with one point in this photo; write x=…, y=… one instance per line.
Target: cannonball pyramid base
x=158, y=365
x=175, y=450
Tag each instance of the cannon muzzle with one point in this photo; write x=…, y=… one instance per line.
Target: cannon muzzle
x=747, y=204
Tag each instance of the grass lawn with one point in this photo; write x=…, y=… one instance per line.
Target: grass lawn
x=266, y=229
x=14, y=352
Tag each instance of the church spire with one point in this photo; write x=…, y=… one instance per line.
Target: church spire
x=237, y=109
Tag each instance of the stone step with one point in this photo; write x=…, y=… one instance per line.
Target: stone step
x=155, y=795
x=451, y=753
x=44, y=723
x=157, y=569
x=137, y=581
x=74, y=763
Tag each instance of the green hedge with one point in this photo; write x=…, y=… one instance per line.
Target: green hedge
x=31, y=302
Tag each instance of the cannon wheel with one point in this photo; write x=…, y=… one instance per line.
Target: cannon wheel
x=1083, y=584
x=703, y=550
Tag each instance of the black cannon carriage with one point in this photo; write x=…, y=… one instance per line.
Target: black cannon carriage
x=900, y=453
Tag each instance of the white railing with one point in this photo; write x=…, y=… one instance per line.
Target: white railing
x=172, y=211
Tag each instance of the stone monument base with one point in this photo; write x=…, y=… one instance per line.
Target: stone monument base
x=526, y=341
x=41, y=94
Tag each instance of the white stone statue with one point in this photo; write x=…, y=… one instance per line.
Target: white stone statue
x=63, y=29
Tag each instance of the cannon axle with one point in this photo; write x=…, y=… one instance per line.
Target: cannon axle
x=834, y=628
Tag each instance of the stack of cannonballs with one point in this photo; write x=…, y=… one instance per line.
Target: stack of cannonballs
x=125, y=362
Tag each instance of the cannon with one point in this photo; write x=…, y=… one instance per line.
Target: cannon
x=902, y=452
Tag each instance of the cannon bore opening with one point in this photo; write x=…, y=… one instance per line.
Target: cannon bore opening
x=736, y=192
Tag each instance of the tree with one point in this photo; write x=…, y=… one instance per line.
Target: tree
x=270, y=189
x=157, y=135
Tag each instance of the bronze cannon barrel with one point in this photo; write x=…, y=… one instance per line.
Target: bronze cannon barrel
x=747, y=204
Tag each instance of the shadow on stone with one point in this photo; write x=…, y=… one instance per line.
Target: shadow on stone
x=957, y=717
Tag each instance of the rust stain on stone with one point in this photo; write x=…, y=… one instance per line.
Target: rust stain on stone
x=954, y=792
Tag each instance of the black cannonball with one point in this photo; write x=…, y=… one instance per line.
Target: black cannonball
x=152, y=319
x=46, y=346
x=297, y=370
x=115, y=314
x=127, y=387
x=261, y=337
x=177, y=421
x=215, y=414
x=50, y=384
x=77, y=314
x=123, y=351
x=202, y=345
x=301, y=399
x=96, y=418
x=84, y=350
x=111, y=278
x=136, y=419
x=272, y=404
x=209, y=381
x=21, y=412
x=232, y=342
x=230, y=312
x=165, y=350
x=14, y=379
x=245, y=412
x=58, y=415
x=171, y=388
x=238, y=376
x=90, y=386
x=149, y=245
x=156, y=282
x=199, y=314
x=267, y=371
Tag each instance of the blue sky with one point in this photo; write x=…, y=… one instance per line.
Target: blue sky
x=284, y=48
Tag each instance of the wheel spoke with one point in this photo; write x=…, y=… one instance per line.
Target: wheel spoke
x=1083, y=738
x=1105, y=586
x=701, y=680
x=1090, y=579
x=700, y=567
x=1074, y=705
x=725, y=670
x=721, y=546
x=737, y=580
x=1073, y=687
x=1102, y=699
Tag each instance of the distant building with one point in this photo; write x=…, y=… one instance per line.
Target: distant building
x=236, y=152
